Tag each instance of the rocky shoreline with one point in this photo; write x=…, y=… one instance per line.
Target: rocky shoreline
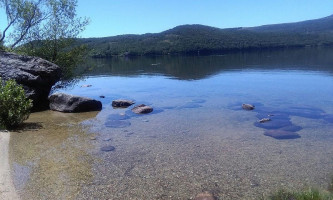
x=36, y=75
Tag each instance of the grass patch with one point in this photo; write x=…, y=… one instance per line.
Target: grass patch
x=310, y=194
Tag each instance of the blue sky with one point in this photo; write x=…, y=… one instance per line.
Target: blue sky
x=116, y=17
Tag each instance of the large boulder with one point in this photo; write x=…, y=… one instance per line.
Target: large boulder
x=68, y=103
x=36, y=75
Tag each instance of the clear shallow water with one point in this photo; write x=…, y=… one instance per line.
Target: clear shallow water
x=198, y=137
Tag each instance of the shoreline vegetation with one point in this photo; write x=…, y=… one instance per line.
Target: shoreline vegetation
x=205, y=40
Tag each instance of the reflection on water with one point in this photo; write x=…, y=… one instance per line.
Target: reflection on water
x=197, y=138
x=195, y=68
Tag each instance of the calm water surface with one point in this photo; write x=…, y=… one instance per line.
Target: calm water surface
x=198, y=138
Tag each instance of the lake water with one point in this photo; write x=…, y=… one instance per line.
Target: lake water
x=198, y=137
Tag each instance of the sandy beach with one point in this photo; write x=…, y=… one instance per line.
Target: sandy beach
x=7, y=189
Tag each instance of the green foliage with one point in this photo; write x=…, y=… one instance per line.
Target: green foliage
x=14, y=106
x=67, y=58
x=45, y=28
x=311, y=194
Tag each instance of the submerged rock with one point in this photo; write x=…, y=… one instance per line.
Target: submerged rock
x=205, y=196
x=117, y=123
x=248, y=106
x=273, y=124
x=68, y=103
x=121, y=116
x=36, y=75
x=122, y=103
x=142, y=109
x=191, y=105
x=329, y=118
x=292, y=128
x=108, y=148
x=281, y=134
x=273, y=115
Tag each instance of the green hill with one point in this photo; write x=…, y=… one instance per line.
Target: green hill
x=200, y=39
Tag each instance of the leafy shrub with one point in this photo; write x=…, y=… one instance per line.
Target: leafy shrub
x=14, y=106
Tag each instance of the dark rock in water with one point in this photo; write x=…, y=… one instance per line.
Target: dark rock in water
x=68, y=103
x=36, y=75
x=108, y=148
x=280, y=134
x=121, y=103
x=117, y=123
x=205, y=196
x=248, y=106
x=142, y=109
x=263, y=120
x=273, y=115
x=102, y=96
x=273, y=124
x=118, y=117
x=292, y=128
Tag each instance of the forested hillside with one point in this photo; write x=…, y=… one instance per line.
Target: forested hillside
x=199, y=39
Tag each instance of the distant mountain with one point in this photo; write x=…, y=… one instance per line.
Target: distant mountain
x=200, y=39
x=310, y=26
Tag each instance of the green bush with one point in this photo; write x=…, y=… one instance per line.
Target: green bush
x=14, y=106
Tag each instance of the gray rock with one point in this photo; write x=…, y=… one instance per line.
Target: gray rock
x=36, y=75
x=122, y=103
x=142, y=109
x=68, y=103
x=248, y=106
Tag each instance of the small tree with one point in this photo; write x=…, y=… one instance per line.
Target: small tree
x=14, y=106
x=45, y=28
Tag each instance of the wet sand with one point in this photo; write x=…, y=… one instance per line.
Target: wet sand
x=7, y=189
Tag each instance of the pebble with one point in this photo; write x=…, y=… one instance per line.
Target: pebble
x=205, y=196
x=108, y=148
